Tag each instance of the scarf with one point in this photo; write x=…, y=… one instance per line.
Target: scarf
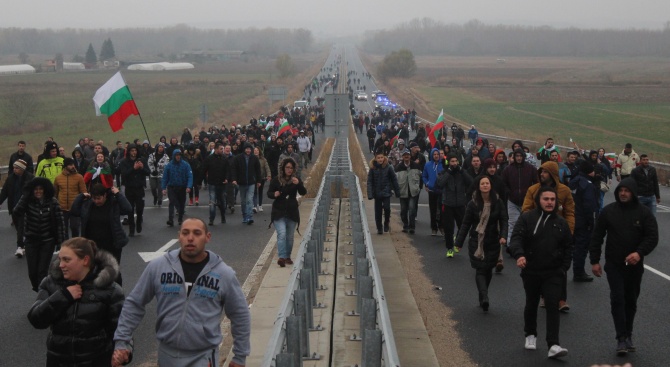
x=481, y=229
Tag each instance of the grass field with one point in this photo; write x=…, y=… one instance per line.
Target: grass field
x=596, y=102
x=168, y=101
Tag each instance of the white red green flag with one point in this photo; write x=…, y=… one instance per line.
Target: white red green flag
x=114, y=100
x=284, y=127
x=394, y=140
x=437, y=128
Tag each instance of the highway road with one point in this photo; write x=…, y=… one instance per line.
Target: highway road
x=497, y=338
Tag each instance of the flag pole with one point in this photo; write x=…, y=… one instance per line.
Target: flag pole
x=139, y=114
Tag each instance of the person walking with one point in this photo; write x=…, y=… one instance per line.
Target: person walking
x=100, y=212
x=80, y=304
x=246, y=174
x=52, y=164
x=157, y=162
x=585, y=195
x=215, y=169
x=408, y=174
x=176, y=183
x=67, y=186
x=632, y=234
x=430, y=172
x=626, y=162
x=646, y=180
x=193, y=157
x=266, y=175
x=43, y=226
x=284, y=189
x=12, y=190
x=542, y=246
x=187, y=327
x=304, y=147
x=22, y=155
x=381, y=183
x=485, y=220
x=517, y=177
x=134, y=170
x=454, y=183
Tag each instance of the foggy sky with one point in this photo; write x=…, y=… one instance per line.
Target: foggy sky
x=329, y=17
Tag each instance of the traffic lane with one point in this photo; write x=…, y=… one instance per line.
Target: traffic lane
x=587, y=331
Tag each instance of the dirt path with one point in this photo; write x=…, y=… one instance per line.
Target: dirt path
x=631, y=114
x=599, y=129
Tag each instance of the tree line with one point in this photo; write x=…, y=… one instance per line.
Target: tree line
x=474, y=38
x=144, y=42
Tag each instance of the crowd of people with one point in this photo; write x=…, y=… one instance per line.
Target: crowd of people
x=76, y=205
x=545, y=210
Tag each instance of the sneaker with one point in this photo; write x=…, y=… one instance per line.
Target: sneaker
x=582, y=278
x=197, y=203
x=450, y=253
x=621, y=348
x=254, y=210
x=442, y=231
x=250, y=222
x=531, y=342
x=281, y=262
x=20, y=251
x=629, y=344
x=170, y=223
x=457, y=249
x=190, y=202
x=499, y=266
x=139, y=227
x=260, y=208
x=556, y=351
x=434, y=232
x=386, y=227
x=563, y=306
x=411, y=231
x=232, y=209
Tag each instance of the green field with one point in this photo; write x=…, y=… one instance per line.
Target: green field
x=591, y=125
x=167, y=101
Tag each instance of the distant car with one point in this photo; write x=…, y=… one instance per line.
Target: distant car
x=374, y=93
x=300, y=104
x=361, y=96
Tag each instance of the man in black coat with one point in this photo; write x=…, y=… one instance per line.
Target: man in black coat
x=12, y=191
x=134, y=171
x=541, y=243
x=245, y=171
x=632, y=234
x=646, y=179
x=215, y=169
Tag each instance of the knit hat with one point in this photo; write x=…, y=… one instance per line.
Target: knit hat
x=20, y=163
x=586, y=167
x=68, y=161
x=488, y=162
x=50, y=146
x=413, y=144
x=406, y=151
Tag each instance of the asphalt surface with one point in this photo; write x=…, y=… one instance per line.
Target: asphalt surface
x=587, y=331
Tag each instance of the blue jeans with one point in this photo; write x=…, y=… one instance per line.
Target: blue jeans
x=513, y=213
x=649, y=202
x=247, y=201
x=285, y=229
x=408, y=211
x=217, y=199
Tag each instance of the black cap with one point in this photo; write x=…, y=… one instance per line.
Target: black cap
x=68, y=161
x=586, y=167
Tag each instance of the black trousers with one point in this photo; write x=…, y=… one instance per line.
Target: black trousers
x=434, y=204
x=135, y=196
x=624, y=284
x=103, y=360
x=177, y=196
x=38, y=259
x=385, y=205
x=18, y=225
x=483, y=280
x=549, y=285
x=449, y=216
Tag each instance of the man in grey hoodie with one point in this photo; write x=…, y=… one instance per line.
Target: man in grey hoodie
x=187, y=326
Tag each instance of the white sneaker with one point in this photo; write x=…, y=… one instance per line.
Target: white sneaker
x=556, y=351
x=260, y=208
x=254, y=210
x=531, y=342
x=20, y=251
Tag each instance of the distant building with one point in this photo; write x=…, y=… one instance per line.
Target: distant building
x=16, y=69
x=162, y=66
x=211, y=55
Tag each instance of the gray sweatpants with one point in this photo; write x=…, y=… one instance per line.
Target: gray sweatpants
x=170, y=357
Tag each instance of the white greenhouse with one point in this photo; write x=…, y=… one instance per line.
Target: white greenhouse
x=162, y=66
x=73, y=66
x=16, y=69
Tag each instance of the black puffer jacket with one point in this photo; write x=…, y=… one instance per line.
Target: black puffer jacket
x=492, y=236
x=382, y=180
x=454, y=183
x=81, y=330
x=286, y=204
x=43, y=219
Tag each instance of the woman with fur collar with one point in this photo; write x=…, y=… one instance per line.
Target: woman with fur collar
x=81, y=304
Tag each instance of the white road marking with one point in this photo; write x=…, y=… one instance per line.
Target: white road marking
x=660, y=274
x=148, y=256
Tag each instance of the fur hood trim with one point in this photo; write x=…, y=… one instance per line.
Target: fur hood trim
x=106, y=269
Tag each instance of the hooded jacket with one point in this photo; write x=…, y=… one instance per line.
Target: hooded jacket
x=430, y=172
x=518, y=178
x=286, y=204
x=454, y=183
x=118, y=206
x=12, y=189
x=382, y=180
x=630, y=227
x=216, y=169
x=177, y=173
x=566, y=205
x=131, y=177
x=188, y=322
x=586, y=196
x=157, y=163
x=409, y=179
x=246, y=174
x=80, y=330
x=43, y=219
x=544, y=239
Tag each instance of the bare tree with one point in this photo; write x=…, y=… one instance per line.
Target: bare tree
x=20, y=108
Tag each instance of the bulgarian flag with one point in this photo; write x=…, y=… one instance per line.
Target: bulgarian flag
x=394, y=140
x=102, y=174
x=284, y=127
x=114, y=100
x=435, y=131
